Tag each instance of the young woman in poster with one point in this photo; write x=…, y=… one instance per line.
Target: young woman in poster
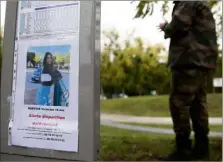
x=49, y=76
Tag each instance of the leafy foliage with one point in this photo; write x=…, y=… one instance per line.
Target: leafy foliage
x=37, y=58
x=31, y=59
x=135, y=68
x=132, y=70
x=60, y=59
x=145, y=8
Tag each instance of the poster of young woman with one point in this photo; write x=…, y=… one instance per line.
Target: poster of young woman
x=45, y=102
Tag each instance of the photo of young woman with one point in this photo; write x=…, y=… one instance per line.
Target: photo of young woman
x=49, y=76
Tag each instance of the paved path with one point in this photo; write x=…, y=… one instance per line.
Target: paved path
x=148, y=120
x=148, y=129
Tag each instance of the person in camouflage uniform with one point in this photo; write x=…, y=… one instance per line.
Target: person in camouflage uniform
x=192, y=56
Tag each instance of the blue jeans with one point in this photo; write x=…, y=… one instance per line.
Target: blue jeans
x=43, y=96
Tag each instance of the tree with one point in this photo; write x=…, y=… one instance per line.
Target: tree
x=37, y=58
x=112, y=37
x=59, y=59
x=30, y=58
x=67, y=58
x=110, y=71
x=133, y=69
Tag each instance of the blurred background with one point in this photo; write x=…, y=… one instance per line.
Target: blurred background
x=135, y=81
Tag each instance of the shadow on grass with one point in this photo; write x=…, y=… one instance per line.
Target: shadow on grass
x=124, y=145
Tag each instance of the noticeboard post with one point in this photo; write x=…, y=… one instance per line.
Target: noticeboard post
x=50, y=73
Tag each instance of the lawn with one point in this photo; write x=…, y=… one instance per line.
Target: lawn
x=125, y=145
x=213, y=128
x=154, y=106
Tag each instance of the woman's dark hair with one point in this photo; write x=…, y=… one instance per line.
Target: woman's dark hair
x=45, y=60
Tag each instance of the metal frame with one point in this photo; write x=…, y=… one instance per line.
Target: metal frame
x=89, y=90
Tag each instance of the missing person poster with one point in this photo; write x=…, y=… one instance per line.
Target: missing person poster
x=45, y=89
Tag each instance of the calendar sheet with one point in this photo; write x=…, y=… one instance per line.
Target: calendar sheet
x=39, y=18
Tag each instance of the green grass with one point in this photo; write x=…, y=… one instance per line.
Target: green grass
x=214, y=128
x=125, y=145
x=154, y=106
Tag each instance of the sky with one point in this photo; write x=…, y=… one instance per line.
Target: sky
x=119, y=15
x=41, y=50
x=3, y=3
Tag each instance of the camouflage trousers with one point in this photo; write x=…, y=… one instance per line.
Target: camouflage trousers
x=188, y=101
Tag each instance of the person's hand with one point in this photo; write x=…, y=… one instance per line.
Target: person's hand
x=162, y=26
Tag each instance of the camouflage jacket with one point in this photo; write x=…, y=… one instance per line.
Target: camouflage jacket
x=193, y=36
